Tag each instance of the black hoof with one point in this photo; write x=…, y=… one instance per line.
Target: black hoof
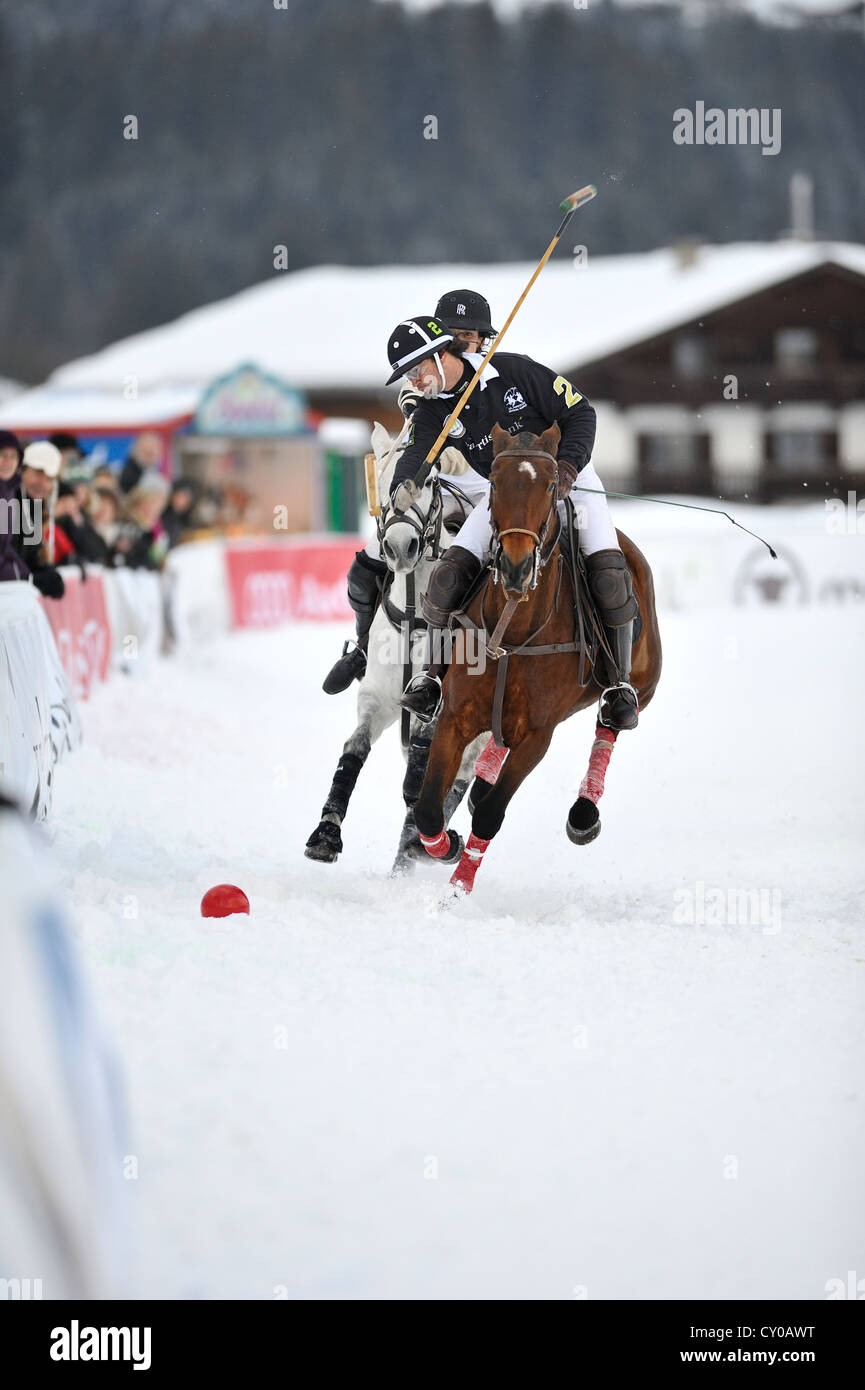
x=477, y=792
x=325, y=843
x=584, y=823
x=455, y=852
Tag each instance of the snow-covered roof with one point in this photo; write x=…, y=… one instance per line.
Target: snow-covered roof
x=326, y=327
x=79, y=408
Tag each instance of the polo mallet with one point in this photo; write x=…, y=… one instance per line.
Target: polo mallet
x=374, y=470
x=409, y=491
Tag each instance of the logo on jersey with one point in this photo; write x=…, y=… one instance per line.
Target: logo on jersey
x=457, y=430
x=514, y=400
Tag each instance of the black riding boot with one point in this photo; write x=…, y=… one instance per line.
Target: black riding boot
x=449, y=583
x=363, y=595
x=612, y=587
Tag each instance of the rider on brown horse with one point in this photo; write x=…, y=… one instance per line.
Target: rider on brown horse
x=467, y=316
x=519, y=395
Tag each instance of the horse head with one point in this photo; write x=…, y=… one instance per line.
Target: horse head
x=523, y=494
x=405, y=536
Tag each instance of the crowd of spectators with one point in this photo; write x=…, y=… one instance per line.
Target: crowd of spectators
x=57, y=509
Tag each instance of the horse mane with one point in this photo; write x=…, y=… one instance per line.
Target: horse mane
x=451, y=461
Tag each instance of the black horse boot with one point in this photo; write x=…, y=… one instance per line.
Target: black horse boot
x=363, y=595
x=613, y=591
x=449, y=583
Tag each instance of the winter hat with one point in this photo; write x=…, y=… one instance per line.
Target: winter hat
x=66, y=441
x=79, y=472
x=43, y=456
x=8, y=440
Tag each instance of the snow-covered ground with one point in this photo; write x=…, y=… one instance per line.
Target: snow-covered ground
x=560, y=1088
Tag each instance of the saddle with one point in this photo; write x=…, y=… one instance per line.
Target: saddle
x=589, y=631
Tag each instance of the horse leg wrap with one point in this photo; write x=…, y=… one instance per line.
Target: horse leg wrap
x=418, y=756
x=463, y=876
x=489, y=764
x=592, y=785
x=436, y=845
x=342, y=786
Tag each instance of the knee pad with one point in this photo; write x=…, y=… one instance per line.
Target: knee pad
x=448, y=585
x=611, y=584
x=363, y=577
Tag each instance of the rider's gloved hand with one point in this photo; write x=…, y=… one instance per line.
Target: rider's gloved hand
x=409, y=399
x=567, y=478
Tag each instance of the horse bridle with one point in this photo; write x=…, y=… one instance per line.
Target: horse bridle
x=428, y=528
x=540, y=539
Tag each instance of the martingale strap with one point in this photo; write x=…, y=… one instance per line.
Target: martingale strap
x=502, y=653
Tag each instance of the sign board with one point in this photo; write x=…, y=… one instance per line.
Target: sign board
x=250, y=402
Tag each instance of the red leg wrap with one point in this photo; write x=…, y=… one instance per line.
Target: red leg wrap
x=438, y=846
x=489, y=763
x=463, y=875
x=592, y=785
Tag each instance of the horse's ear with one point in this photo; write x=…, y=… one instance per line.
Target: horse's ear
x=501, y=439
x=549, y=440
x=380, y=440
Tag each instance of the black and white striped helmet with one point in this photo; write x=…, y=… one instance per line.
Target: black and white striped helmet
x=413, y=340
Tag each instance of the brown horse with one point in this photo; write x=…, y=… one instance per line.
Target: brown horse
x=532, y=607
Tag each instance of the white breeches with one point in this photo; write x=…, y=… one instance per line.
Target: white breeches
x=596, y=529
x=476, y=489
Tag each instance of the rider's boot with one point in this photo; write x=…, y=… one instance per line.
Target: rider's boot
x=612, y=587
x=363, y=594
x=449, y=583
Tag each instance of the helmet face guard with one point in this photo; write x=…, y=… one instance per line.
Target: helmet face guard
x=412, y=341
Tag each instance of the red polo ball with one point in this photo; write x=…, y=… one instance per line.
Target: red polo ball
x=223, y=900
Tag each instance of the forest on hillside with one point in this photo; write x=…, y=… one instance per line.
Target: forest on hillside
x=307, y=126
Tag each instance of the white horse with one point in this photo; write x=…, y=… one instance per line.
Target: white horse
x=412, y=543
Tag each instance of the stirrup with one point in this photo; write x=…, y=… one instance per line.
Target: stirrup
x=423, y=684
x=620, y=688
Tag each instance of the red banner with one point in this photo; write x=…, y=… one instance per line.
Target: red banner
x=81, y=630
x=271, y=584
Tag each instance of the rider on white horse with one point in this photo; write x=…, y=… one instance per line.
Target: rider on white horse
x=467, y=316
x=519, y=394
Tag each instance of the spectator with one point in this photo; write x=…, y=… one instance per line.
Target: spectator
x=145, y=454
x=36, y=484
x=105, y=476
x=76, y=539
x=104, y=514
x=143, y=542
x=12, y=564
x=80, y=477
x=177, y=515
x=71, y=451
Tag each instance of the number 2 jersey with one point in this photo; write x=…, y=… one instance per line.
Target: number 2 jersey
x=514, y=392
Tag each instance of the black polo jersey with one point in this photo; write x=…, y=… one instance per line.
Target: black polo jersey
x=514, y=392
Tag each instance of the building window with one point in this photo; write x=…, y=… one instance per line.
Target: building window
x=674, y=462
x=690, y=358
x=796, y=348
x=799, y=452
